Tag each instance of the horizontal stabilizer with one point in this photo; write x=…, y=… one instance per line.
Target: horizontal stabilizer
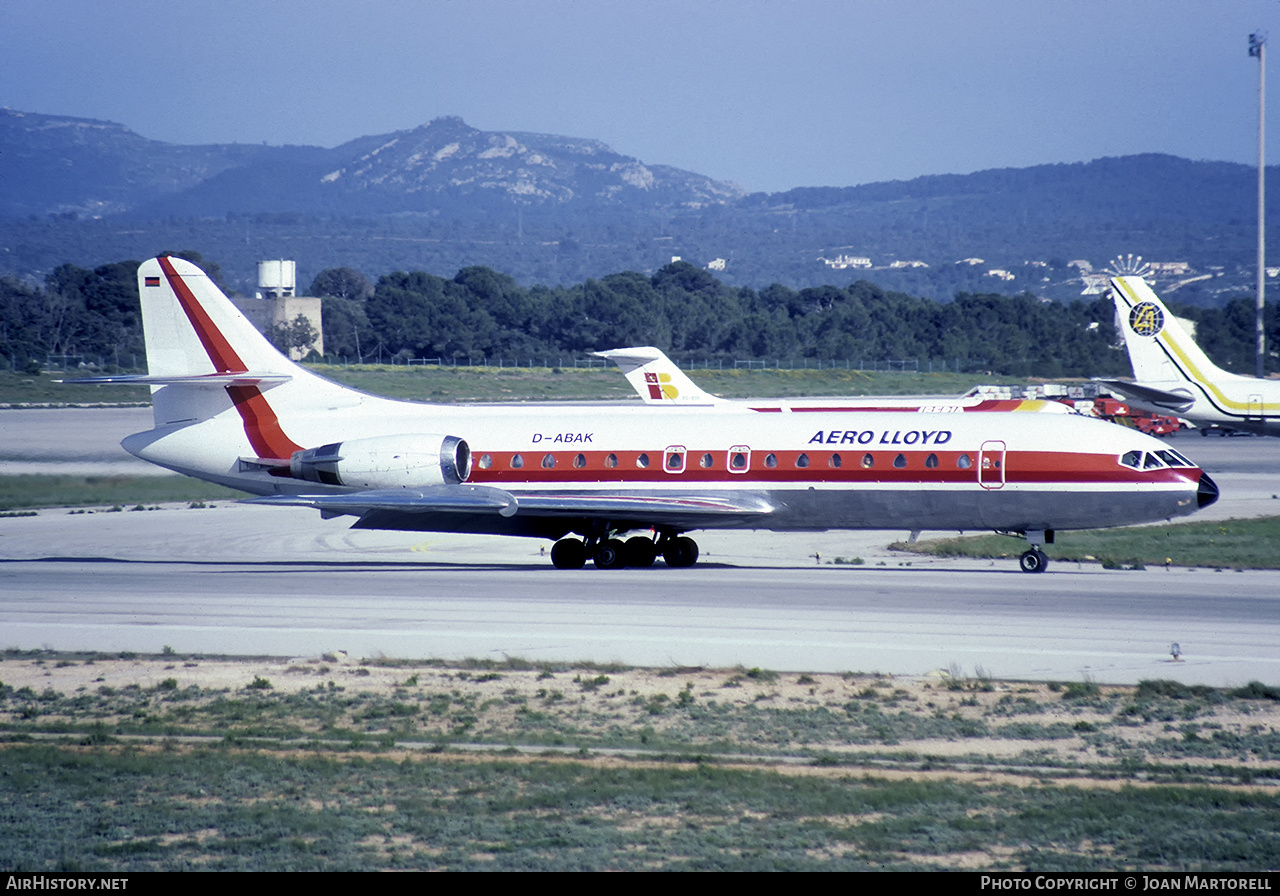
x=1176, y=402
x=194, y=379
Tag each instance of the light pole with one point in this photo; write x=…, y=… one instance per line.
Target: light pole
x=1258, y=47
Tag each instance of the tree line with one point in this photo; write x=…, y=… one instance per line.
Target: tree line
x=682, y=309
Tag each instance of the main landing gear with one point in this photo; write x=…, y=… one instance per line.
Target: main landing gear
x=639, y=551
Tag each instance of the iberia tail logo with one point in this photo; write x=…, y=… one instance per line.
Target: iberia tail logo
x=660, y=386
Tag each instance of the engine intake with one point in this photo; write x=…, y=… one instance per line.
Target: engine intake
x=404, y=461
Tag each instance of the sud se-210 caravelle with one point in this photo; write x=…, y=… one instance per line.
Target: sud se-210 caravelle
x=231, y=409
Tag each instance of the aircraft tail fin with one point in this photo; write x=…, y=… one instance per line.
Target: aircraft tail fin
x=205, y=357
x=659, y=381
x=1160, y=350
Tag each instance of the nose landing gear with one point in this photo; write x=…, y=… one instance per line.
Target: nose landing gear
x=1034, y=559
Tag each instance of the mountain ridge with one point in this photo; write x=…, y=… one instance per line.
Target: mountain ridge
x=553, y=209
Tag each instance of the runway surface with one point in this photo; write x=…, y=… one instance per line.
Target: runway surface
x=280, y=581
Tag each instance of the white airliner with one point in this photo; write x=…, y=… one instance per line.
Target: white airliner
x=1173, y=376
x=661, y=383
x=231, y=409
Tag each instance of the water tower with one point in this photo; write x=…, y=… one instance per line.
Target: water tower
x=277, y=278
x=277, y=284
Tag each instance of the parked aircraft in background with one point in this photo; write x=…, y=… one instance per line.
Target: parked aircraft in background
x=1173, y=376
x=660, y=382
x=231, y=409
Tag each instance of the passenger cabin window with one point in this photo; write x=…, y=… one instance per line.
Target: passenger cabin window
x=643, y=461
x=673, y=459
x=706, y=461
x=611, y=461
x=580, y=461
x=802, y=460
x=900, y=462
x=834, y=461
x=931, y=461
x=548, y=461
x=771, y=460
x=868, y=461
x=486, y=461
x=516, y=461
x=964, y=462
x=739, y=459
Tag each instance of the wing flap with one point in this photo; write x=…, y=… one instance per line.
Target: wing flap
x=444, y=498
x=641, y=505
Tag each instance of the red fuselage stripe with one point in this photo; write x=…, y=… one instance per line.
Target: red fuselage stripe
x=1040, y=467
x=261, y=425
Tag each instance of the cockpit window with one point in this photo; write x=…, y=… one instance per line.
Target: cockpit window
x=1132, y=459
x=1151, y=462
x=1174, y=459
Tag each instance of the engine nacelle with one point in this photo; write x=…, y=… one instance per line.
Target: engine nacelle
x=405, y=461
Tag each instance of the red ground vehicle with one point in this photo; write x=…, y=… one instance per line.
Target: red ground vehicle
x=1120, y=412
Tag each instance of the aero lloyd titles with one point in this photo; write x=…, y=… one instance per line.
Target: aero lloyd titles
x=886, y=437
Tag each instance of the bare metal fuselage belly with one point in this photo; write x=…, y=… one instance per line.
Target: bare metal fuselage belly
x=798, y=510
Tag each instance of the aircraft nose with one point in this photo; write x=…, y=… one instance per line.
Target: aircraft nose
x=1207, y=493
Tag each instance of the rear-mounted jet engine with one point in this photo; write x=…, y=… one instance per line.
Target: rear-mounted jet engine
x=406, y=461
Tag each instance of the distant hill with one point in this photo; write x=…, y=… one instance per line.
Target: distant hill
x=97, y=168
x=52, y=164
x=553, y=209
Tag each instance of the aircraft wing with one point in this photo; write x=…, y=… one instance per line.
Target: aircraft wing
x=1178, y=402
x=678, y=510
x=436, y=499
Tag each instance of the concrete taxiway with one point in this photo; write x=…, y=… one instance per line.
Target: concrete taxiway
x=280, y=581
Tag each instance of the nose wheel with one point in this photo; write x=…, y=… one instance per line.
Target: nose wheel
x=1033, y=560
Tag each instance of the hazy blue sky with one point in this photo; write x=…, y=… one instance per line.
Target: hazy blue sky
x=770, y=95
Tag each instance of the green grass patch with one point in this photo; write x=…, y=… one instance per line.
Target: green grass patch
x=18, y=389
x=125, y=492
x=108, y=808
x=448, y=384
x=300, y=773
x=1228, y=544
